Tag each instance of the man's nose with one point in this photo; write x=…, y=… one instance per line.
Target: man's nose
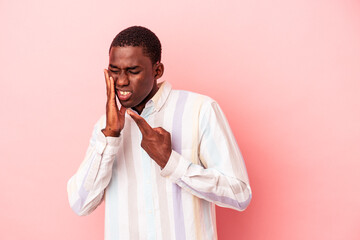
x=122, y=79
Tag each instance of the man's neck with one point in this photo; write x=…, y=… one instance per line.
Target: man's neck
x=139, y=108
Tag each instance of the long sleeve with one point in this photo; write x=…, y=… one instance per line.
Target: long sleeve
x=86, y=187
x=221, y=178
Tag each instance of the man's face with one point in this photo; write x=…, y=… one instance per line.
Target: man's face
x=134, y=75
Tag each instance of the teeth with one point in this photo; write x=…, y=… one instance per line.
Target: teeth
x=124, y=93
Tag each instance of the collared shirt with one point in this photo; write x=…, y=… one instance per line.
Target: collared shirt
x=143, y=201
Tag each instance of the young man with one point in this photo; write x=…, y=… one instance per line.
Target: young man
x=161, y=160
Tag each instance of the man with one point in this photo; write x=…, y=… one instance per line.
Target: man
x=161, y=160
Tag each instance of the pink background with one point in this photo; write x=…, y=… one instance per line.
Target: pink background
x=286, y=73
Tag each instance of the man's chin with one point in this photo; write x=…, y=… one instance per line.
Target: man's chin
x=127, y=104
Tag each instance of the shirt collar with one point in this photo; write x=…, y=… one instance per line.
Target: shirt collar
x=160, y=97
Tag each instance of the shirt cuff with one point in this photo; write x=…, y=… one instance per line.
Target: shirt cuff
x=107, y=145
x=175, y=167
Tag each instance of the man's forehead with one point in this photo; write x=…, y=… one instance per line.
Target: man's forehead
x=130, y=54
x=127, y=51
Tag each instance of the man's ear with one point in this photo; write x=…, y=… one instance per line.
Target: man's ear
x=159, y=70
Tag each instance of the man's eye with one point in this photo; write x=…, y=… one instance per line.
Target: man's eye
x=114, y=71
x=132, y=72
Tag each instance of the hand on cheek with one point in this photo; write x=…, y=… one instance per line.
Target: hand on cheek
x=115, y=117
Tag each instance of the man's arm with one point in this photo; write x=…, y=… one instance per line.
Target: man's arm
x=221, y=179
x=86, y=187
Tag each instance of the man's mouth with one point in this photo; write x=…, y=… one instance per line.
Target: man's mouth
x=123, y=95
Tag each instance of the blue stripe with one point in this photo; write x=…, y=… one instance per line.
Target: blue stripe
x=176, y=138
x=148, y=194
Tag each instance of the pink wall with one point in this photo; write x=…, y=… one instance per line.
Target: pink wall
x=286, y=73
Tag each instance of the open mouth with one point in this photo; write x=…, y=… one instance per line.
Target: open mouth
x=123, y=95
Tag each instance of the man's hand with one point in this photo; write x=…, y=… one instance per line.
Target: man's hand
x=155, y=141
x=115, y=118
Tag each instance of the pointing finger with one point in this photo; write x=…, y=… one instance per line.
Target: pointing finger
x=144, y=127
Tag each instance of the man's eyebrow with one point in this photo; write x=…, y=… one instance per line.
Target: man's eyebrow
x=112, y=66
x=128, y=68
x=132, y=68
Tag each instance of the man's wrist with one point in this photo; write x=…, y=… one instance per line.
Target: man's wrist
x=110, y=133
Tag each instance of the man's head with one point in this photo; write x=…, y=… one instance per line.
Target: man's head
x=138, y=36
x=134, y=64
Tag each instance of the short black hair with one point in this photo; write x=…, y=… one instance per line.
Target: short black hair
x=138, y=36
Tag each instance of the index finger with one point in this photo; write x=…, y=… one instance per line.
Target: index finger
x=107, y=80
x=144, y=127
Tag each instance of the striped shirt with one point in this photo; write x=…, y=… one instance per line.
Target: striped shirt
x=143, y=201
